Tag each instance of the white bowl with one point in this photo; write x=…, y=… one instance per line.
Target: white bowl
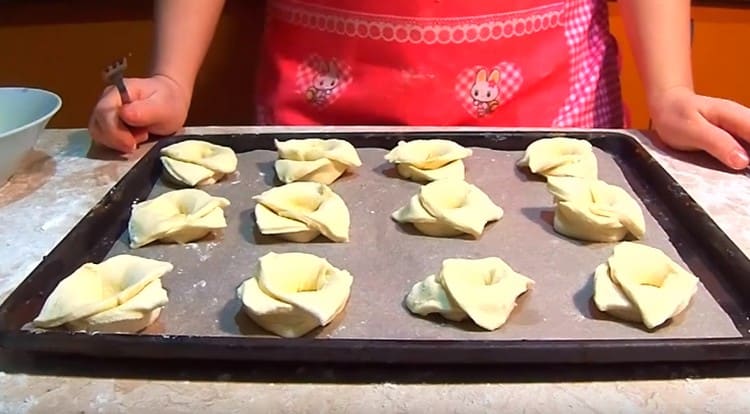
x=24, y=113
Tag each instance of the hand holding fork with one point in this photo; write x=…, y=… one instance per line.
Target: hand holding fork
x=127, y=114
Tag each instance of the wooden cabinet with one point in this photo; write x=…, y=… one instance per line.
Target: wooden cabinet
x=64, y=45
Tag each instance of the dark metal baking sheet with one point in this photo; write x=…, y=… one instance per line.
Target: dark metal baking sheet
x=387, y=258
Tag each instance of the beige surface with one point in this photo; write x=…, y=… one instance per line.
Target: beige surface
x=61, y=183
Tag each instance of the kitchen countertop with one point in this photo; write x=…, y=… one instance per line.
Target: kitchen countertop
x=64, y=178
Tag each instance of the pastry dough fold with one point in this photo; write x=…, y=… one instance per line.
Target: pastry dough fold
x=313, y=159
x=121, y=294
x=425, y=160
x=560, y=157
x=300, y=211
x=178, y=216
x=449, y=207
x=198, y=163
x=484, y=290
x=592, y=210
x=294, y=293
x=641, y=284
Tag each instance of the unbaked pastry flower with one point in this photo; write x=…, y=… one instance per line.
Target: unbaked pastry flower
x=294, y=293
x=178, y=216
x=314, y=159
x=484, y=290
x=560, y=157
x=121, y=294
x=641, y=284
x=300, y=211
x=198, y=163
x=425, y=160
x=449, y=207
x=593, y=210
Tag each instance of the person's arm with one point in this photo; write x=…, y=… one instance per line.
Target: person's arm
x=184, y=30
x=659, y=34
x=160, y=103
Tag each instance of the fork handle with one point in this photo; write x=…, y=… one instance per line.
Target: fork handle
x=124, y=95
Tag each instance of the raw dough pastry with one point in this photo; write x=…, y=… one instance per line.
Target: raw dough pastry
x=121, y=294
x=301, y=211
x=198, y=163
x=560, y=157
x=424, y=160
x=294, y=293
x=178, y=216
x=449, y=207
x=642, y=284
x=319, y=160
x=484, y=290
x=595, y=211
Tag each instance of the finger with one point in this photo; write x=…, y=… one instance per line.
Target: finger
x=728, y=115
x=140, y=134
x=99, y=136
x=110, y=131
x=144, y=113
x=720, y=144
x=116, y=141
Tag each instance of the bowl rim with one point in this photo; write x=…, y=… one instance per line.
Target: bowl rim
x=46, y=117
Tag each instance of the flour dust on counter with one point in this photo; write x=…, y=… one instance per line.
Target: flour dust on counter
x=386, y=259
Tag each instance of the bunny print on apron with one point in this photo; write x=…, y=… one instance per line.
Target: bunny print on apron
x=533, y=63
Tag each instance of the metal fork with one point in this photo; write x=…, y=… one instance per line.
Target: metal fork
x=113, y=75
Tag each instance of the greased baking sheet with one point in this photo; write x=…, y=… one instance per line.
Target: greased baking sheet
x=387, y=258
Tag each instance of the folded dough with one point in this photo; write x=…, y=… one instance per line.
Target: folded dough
x=121, y=294
x=300, y=211
x=592, y=210
x=449, y=207
x=426, y=160
x=560, y=157
x=484, y=290
x=641, y=284
x=294, y=293
x=179, y=216
x=314, y=159
x=198, y=163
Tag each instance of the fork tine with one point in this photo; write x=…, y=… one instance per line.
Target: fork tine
x=113, y=74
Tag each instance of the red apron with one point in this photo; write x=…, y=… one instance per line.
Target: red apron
x=530, y=63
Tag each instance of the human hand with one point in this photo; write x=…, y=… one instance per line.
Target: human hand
x=685, y=120
x=159, y=106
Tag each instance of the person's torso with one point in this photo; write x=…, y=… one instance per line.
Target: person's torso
x=530, y=63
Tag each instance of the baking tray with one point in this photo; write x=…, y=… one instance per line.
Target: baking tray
x=554, y=323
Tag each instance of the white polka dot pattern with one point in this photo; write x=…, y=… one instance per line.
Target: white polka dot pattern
x=419, y=30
